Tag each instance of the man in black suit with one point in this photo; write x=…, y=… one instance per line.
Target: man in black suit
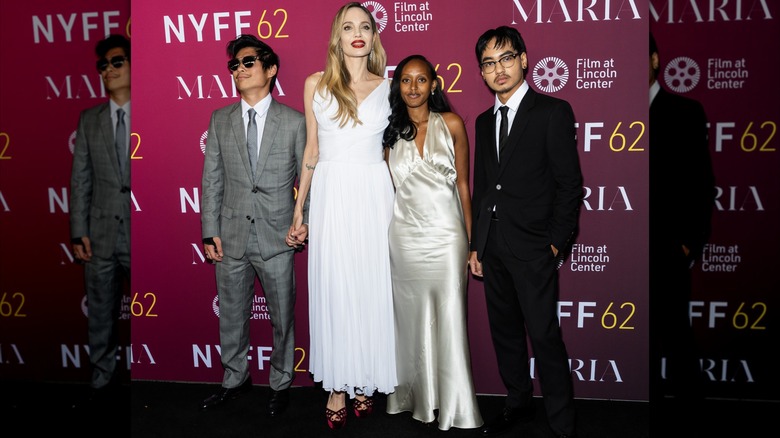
x=682, y=194
x=527, y=193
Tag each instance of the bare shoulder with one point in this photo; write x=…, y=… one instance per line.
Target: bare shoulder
x=313, y=79
x=456, y=127
x=453, y=120
x=311, y=84
x=451, y=117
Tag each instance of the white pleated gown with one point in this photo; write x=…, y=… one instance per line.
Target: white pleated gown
x=428, y=252
x=350, y=291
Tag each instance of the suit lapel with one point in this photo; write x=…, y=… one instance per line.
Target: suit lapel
x=519, y=125
x=271, y=127
x=239, y=133
x=488, y=136
x=107, y=132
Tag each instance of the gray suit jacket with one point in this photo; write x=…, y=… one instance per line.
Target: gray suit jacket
x=231, y=202
x=99, y=196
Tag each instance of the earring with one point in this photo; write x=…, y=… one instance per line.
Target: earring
x=433, y=91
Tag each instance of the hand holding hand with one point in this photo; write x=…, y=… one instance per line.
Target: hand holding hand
x=297, y=237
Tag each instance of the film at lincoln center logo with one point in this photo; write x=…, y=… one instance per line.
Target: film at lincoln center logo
x=682, y=74
x=379, y=12
x=550, y=74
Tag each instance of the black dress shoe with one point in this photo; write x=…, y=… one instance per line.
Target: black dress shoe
x=278, y=402
x=226, y=394
x=507, y=418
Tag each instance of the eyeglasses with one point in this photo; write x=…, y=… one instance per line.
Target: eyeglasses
x=248, y=62
x=506, y=62
x=115, y=61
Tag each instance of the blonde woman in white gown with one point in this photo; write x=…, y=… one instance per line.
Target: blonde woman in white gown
x=352, y=340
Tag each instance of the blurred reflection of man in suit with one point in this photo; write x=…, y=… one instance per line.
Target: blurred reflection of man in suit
x=682, y=194
x=247, y=208
x=100, y=210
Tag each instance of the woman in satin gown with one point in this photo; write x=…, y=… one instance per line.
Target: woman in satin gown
x=352, y=338
x=427, y=152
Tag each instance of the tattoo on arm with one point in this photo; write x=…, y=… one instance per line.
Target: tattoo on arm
x=310, y=167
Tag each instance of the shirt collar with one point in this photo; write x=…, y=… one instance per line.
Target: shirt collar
x=113, y=106
x=514, y=102
x=654, y=88
x=261, y=107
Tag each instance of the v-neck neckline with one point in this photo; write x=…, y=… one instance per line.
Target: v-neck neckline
x=368, y=96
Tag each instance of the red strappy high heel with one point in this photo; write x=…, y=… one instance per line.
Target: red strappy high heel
x=336, y=419
x=363, y=408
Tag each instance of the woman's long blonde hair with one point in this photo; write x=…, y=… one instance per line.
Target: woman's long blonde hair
x=336, y=78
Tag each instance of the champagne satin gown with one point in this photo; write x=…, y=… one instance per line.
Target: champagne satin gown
x=428, y=255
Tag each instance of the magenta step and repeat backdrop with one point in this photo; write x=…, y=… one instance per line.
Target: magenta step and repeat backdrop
x=573, y=55
x=593, y=54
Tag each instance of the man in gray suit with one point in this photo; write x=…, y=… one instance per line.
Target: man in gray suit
x=253, y=156
x=100, y=209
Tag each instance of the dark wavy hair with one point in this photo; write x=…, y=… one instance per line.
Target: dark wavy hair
x=267, y=55
x=112, y=41
x=401, y=127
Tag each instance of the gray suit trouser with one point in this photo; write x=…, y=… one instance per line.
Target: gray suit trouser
x=236, y=289
x=103, y=278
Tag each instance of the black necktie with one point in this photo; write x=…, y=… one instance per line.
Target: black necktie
x=503, y=130
x=120, y=140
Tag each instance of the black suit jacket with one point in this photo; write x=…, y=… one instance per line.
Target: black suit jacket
x=536, y=187
x=682, y=184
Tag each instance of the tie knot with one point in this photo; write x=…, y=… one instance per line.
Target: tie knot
x=251, y=113
x=120, y=113
x=503, y=110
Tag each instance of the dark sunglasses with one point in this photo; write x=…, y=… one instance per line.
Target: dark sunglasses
x=115, y=61
x=248, y=62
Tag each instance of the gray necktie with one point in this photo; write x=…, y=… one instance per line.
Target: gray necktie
x=121, y=139
x=503, y=129
x=251, y=140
